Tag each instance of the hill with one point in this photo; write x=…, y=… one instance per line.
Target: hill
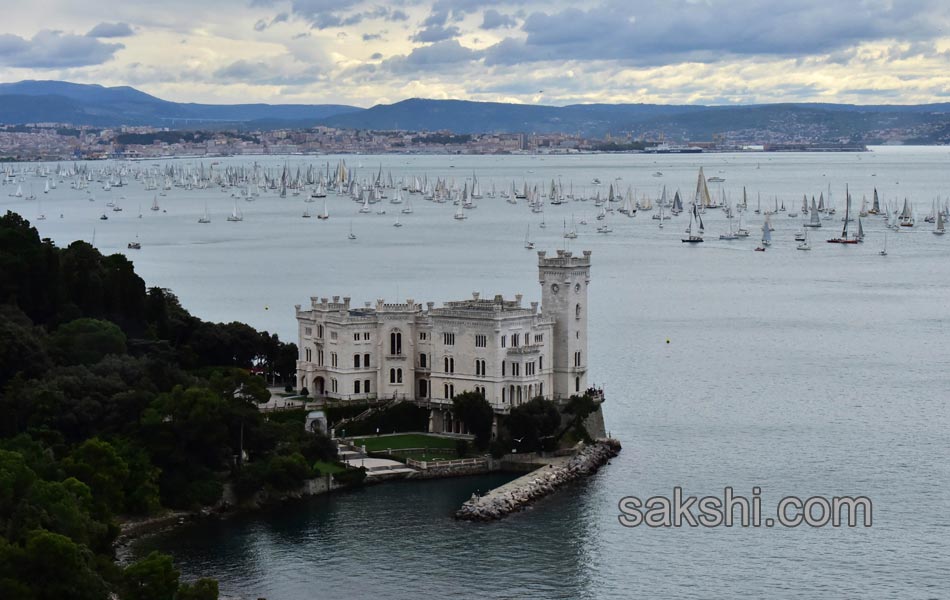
x=81, y=104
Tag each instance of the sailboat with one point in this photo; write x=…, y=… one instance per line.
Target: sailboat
x=235, y=214
x=352, y=235
x=154, y=204
x=135, y=244
x=907, y=215
x=407, y=210
x=883, y=251
x=459, y=214
x=205, y=218
x=324, y=215
x=939, y=226
x=804, y=245
x=528, y=244
x=572, y=232
x=815, y=220
x=844, y=239
x=694, y=238
x=397, y=223
x=766, y=234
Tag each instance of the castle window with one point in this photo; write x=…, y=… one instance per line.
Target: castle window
x=320, y=358
x=422, y=360
x=540, y=363
x=392, y=376
x=504, y=339
x=577, y=311
x=395, y=343
x=502, y=368
x=333, y=336
x=481, y=341
x=514, y=340
x=366, y=361
x=541, y=389
x=577, y=384
x=422, y=336
x=538, y=338
x=308, y=330
x=366, y=386
x=356, y=386
x=334, y=386
x=577, y=358
x=356, y=337
x=448, y=339
x=366, y=336
x=449, y=364
x=320, y=331
x=398, y=375
x=356, y=361
x=309, y=358
x=503, y=395
x=333, y=361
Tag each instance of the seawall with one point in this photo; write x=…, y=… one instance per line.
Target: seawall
x=518, y=494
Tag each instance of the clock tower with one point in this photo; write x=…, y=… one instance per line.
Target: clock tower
x=564, y=279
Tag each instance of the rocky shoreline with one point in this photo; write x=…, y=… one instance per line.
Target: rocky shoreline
x=520, y=493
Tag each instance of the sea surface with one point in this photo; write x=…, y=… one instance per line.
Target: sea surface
x=802, y=373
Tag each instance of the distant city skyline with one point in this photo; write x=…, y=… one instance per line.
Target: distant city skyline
x=364, y=53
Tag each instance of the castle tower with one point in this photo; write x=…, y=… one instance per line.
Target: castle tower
x=564, y=279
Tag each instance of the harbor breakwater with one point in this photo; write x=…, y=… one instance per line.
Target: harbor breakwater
x=518, y=494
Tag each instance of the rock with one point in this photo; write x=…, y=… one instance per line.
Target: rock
x=493, y=506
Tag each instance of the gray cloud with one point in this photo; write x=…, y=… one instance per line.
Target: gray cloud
x=265, y=73
x=54, y=49
x=436, y=33
x=443, y=54
x=263, y=24
x=110, y=30
x=492, y=19
x=662, y=31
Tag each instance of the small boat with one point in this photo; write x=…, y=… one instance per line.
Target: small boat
x=694, y=238
x=352, y=235
x=205, y=218
x=883, y=251
x=324, y=215
x=939, y=226
x=528, y=244
x=397, y=223
x=804, y=245
x=103, y=217
x=715, y=179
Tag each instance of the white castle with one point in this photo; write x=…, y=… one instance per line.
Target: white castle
x=508, y=352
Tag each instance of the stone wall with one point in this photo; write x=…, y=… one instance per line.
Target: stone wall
x=518, y=494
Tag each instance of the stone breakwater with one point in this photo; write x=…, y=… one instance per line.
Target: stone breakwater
x=521, y=492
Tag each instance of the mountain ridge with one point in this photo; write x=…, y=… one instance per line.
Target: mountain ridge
x=33, y=101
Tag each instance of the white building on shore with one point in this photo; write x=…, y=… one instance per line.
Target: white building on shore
x=501, y=348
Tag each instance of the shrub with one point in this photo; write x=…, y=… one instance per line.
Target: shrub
x=461, y=448
x=352, y=477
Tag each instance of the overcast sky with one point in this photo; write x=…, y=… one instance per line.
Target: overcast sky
x=553, y=52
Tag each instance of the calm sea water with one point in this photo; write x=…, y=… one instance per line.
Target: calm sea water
x=804, y=373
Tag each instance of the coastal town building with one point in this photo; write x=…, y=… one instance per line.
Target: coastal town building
x=507, y=351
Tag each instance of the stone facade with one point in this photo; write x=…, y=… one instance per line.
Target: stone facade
x=501, y=348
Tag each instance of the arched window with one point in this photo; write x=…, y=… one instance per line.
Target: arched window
x=446, y=364
x=445, y=389
x=503, y=395
x=422, y=360
x=540, y=363
x=577, y=311
x=398, y=375
x=577, y=384
x=356, y=361
x=395, y=343
x=392, y=376
x=356, y=386
x=366, y=361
